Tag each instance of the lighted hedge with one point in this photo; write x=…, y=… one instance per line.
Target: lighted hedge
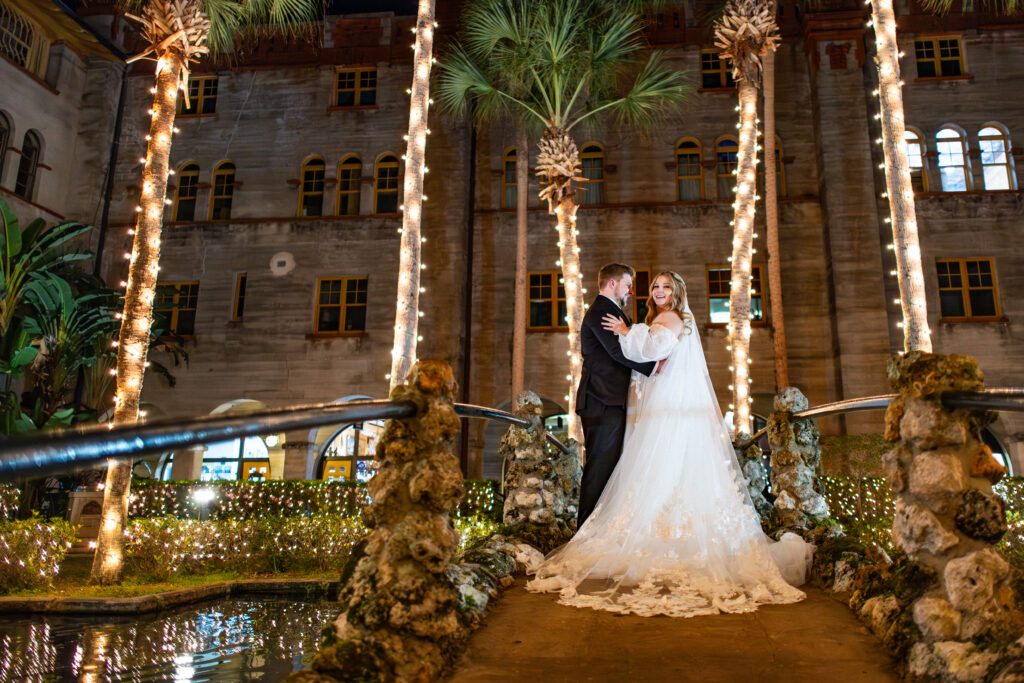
x=9, y=495
x=31, y=552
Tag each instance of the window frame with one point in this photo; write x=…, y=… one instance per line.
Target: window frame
x=961, y=137
x=723, y=71
x=646, y=295
x=35, y=44
x=309, y=166
x=342, y=306
x=934, y=42
x=175, y=310
x=238, y=300
x=6, y=131
x=730, y=176
x=1007, y=165
x=220, y=171
x=699, y=177
x=349, y=163
x=924, y=156
x=757, y=290
x=197, y=102
x=190, y=170
x=28, y=165
x=965, y=290
x=593, y=184
x=554, y=299
x=379, y=164
x=357, y=89
x=509, y=201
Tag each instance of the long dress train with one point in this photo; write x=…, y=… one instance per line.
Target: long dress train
x=674, y=532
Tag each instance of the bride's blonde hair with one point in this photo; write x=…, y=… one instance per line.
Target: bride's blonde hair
x=676, y=303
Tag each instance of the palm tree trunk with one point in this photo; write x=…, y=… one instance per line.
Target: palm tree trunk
x=903, y=216
x=403, y=355
x=771, y=214
x=742, y=242
x=133, y=340
x=519, y=306
x=565, y=213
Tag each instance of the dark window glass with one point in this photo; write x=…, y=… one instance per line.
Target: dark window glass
x=25, y=182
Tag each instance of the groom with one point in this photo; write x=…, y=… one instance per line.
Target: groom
x=604, y=385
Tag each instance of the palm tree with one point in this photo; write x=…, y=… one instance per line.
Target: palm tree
x=177, y=33
x=745, y=33
x=771, y=216
x=403, y=355
x=519, y=317
x=557, y=63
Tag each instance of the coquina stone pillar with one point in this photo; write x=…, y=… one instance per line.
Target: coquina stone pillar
x=794, y=462
x=749, y=459
x=947, y=520
x=542, y=489
x=399, y=607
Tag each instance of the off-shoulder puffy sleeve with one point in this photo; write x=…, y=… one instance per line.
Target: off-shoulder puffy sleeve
x=643, y=343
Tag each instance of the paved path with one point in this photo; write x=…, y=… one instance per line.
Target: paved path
x=530, y=637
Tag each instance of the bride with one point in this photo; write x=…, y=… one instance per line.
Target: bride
x=674, y=531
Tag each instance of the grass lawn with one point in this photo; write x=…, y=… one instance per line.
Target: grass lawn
x=73, y=582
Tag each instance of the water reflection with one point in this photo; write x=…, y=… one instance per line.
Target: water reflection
x=230, y=640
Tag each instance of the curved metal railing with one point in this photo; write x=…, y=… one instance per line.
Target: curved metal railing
x=1011, y=399
x=49, y=452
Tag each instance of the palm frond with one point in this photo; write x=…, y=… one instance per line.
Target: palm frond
x=1006, y=7
x=657, y=91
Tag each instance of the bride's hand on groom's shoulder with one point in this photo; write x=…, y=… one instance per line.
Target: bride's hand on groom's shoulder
x=614, y=324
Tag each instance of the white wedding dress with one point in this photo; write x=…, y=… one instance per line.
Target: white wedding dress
x=674, y=532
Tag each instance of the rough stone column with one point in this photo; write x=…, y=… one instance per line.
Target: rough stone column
x=542, y=490
x=754, y=475
x=296, y=457
x=399, y=617
x=188, y=463
x=947, y=520
x=794, y=461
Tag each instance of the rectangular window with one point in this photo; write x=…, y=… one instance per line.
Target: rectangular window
x=714, y=71
x=641, y=293
x=547, y=301
x=340, y=305
x=238, y=310
x=938, y=57
x=356, y=88
x=967, y=289
x=223, y=192
x=176, y=301
x=510, y=190
x=202, y=97
x=719, y=279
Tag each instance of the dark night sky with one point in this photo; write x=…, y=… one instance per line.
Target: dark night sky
x=399, y=7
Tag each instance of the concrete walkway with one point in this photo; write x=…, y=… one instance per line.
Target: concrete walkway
x=529, y=637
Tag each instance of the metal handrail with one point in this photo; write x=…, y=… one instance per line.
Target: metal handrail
x=1008, y=398
x=56, y=451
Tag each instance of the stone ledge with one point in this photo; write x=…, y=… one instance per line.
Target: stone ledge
x=298, y=588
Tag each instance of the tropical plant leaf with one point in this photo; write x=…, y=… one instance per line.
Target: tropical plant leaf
x=11, y=235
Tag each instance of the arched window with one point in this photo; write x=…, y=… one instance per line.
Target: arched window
x=223, y=191
x=186, y=192
x=509, y=192
x=592, y=159
x=25, y=183
x=242, y=459
x=725, y=167
x=5, y=140
x=995, y=158
x=953, y=167
x=915, y=159
x=385, y=184
x=349, y=171
x=349, y=452
x=780, y=171
x=689, y=176
x=311, y=188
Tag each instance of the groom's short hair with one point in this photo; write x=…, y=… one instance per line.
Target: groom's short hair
x=613, y=271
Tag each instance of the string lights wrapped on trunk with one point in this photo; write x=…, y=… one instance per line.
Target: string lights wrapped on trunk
x=407, y=313
x=745, y=34
x=899, y=191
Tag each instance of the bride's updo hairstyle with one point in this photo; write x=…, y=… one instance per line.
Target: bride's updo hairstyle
x=676, y=304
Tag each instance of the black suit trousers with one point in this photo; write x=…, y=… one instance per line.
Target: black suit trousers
x=604, y=431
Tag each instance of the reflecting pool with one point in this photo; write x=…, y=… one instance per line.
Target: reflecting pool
x=237, y=639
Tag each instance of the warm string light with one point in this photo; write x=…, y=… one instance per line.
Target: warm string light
x=899, y=190
x=408, y=312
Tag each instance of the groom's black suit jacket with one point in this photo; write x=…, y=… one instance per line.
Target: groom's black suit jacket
x=606, y=370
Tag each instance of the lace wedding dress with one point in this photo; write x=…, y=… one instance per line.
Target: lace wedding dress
x=674, y=532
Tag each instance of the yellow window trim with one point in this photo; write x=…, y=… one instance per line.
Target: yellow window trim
x=349, y=163
x=220, y=171
x=510, y=156
x=175, y=307
x=554, y=299
x=699, y=151
x=309, y=165
x=357, y=88
x=239, y=297
x=342, y=305
x=965, y=290
x=196, y=102
x=186, y=171
x=377, y=191
x=757, y=288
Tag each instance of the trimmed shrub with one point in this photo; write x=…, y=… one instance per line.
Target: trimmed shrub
x=31, y=552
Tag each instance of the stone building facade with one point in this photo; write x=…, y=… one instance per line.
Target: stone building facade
x=282, y=119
